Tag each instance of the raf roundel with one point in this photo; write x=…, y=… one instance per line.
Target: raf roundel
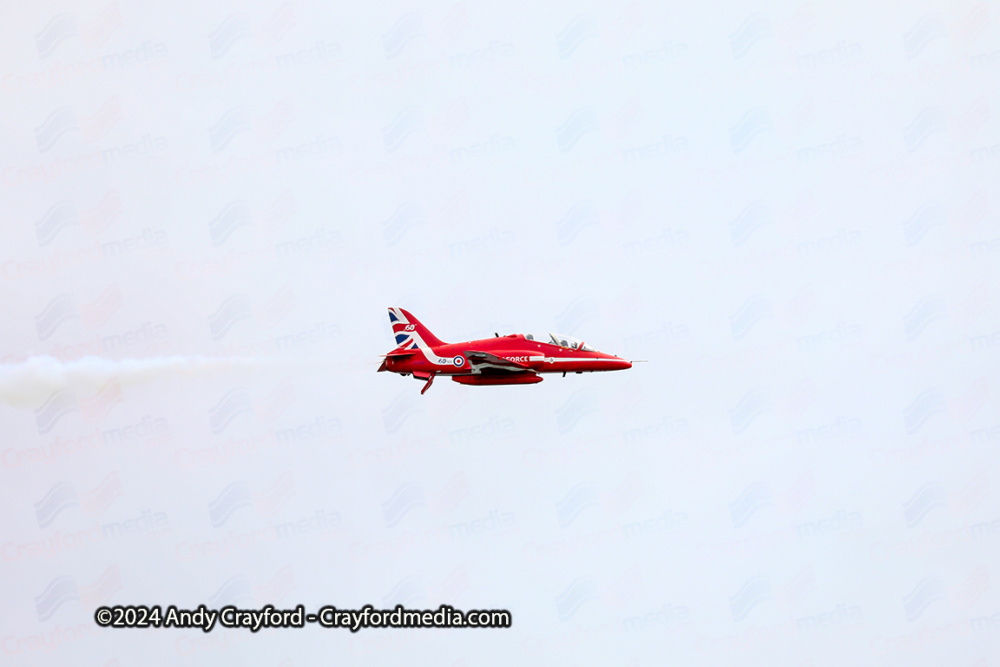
x=459, y=361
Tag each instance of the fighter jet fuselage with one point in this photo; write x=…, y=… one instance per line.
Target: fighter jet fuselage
x=510, y=359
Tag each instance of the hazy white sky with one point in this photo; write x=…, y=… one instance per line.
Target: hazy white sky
x=788, y=209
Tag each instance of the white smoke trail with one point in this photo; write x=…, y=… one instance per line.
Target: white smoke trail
x=32, y=381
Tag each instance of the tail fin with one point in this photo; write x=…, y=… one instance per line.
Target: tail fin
x=405, y=326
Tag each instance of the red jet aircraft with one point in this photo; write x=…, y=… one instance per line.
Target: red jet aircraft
x=513, y=359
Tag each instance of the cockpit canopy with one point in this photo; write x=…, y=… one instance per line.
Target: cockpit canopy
x=561, y=340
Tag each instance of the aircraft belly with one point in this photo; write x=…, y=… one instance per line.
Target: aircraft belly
x=509, y=378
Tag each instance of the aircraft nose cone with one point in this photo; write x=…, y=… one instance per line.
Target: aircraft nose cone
x=620, y=364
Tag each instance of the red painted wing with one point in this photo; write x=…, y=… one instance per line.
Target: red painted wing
x=487, y=361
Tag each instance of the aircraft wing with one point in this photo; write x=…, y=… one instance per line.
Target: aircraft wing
x=484, y=361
